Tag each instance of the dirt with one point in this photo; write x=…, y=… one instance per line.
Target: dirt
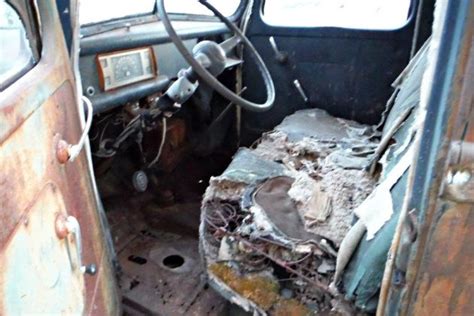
x=261, y=289
x=324, y=192
x=314, y=173
x=347, y=189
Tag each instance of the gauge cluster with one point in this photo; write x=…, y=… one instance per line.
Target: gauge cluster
x=122, y=68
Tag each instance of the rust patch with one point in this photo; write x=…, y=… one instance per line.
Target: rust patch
x=291, y=307
x=60, y=226
x=262, y=290
x=62, y=153
x=447, y=279
x=38, y=106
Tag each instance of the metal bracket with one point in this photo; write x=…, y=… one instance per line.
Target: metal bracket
x=459, y=183
x=66, y=152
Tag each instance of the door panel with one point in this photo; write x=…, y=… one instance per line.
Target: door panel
x=347, y=72
x=435, y=265
x=38, y=267
x=36, y=112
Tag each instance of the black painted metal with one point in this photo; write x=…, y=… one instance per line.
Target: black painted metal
x=109, y=100
x=147, y=34
x=347, y=72
x=65, y=17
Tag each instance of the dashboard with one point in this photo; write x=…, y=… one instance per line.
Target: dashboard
x=126, y=64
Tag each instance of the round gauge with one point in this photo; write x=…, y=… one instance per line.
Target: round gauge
x=127, y=67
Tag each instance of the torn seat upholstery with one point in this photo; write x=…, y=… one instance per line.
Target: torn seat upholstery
x=276, y=223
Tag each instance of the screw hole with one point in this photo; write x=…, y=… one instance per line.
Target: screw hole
x=90, y=91
x=173, y=261
x=134, y=284
x=137, y=259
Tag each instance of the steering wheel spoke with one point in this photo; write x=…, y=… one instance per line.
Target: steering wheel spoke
x=232, y=62
x=229, y=44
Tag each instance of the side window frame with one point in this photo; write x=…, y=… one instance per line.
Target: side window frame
x=411, y=9
x=26, y=11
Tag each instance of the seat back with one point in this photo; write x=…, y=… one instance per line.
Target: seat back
x=363, y=275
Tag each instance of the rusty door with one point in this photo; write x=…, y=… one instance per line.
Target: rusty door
x=431, y=268
x=53, y=257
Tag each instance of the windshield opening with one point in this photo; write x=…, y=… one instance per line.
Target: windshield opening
x=93, y=11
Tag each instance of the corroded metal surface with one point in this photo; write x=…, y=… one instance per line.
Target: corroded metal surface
x=163, y=275
x=162, y=272
x=36, y=112
x=445, y=283
x=36, y=267
x=433, y=265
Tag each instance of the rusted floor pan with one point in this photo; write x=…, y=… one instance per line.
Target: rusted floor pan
x=162, y=275
x=162, y=272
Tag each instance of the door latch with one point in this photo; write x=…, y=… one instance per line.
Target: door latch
x=69, y=225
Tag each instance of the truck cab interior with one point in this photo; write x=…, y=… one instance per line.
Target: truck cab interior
x=247, y=156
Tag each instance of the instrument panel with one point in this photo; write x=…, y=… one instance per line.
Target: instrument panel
x=118, y=69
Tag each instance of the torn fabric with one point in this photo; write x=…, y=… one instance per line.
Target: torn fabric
x=377, y=209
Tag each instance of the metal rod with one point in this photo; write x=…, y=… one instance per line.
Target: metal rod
x=300, y=90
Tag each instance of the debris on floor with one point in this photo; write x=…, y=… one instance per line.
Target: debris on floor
x=161, y=269
x=273, y=221
x=162, y=275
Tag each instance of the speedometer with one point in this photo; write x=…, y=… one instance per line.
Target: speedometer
x=126, y=67
x=119, y=69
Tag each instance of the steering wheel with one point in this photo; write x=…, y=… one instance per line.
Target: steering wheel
x=220, y=58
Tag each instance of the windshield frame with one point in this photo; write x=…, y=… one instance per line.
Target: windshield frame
x=93, y=28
